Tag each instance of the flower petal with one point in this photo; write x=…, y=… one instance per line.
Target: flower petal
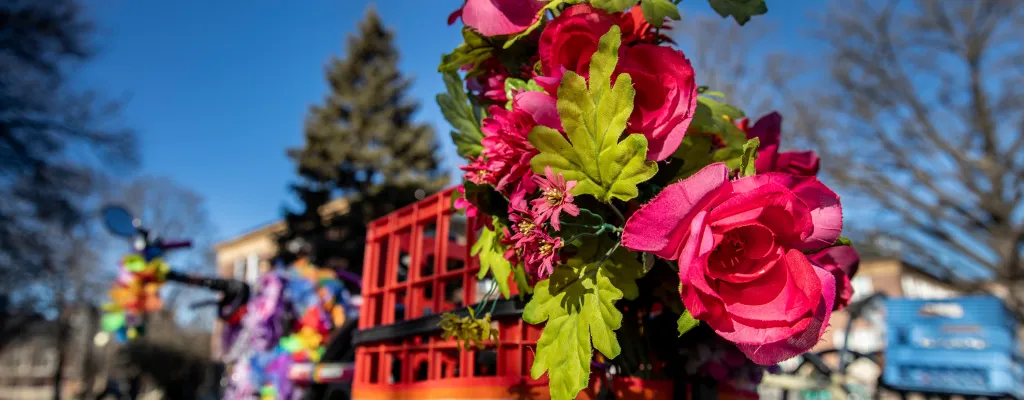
x=541, y=106
x=659, y=225
x=776, y=351
x=500, y=17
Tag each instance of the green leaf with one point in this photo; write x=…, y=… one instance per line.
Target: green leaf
x=519, y=275
x=492, y=259
x=474, y=49
x=655, y=11
x=695, y=153
x=613, y=5
x=741, y=10
x=578, y=303
x=457, y=110
x=842, y=241
x=749, y=156
x=594, y=119
x=686, y=322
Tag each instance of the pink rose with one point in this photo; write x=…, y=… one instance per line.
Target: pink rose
x=498, y=17
x=740, y=247
x=570, y=40
x=666, y=96
x=768, y=129
x=842, y=263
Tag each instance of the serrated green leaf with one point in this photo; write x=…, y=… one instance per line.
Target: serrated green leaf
x=655, y=11
x=613, y=5
x=740, y=10
x=474, y=49
x=749, y=156
x=489, y=249
x=686, y=322
x=578, y=303
x=594, y=119
x=459, y=113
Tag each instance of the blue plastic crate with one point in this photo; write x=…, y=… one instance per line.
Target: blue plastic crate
x=965, y=346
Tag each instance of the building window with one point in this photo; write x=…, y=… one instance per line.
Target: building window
x=239, y=269
x=252, y=268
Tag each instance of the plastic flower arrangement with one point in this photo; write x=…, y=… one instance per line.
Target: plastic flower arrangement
x=602, y=174
x=135, y=292
x=288, y=322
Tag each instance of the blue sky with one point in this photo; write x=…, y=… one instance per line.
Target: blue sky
x=218, y=89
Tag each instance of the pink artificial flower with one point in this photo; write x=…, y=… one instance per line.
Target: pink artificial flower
x=513, y=253
x=666, y=96
x=768, y=129
x=555, y=198
x=507, y=151
x=479, y=171
x=542, y=258
x=523, y=224
x=490, y=84
x=740, y=247
x=842, y=263
x=636, y=29
x=473, y=214
x=498, y=17
x=570, y=40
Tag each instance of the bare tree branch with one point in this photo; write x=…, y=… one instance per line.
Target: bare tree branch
x=916, y=106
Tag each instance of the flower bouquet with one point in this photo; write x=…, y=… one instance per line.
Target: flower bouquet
x=618, y=191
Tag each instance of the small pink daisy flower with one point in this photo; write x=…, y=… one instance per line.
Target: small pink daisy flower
x=554, y=199
x=543, y=257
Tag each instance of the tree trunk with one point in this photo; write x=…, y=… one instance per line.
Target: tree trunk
x=61, y=348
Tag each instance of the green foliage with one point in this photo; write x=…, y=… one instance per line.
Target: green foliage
x=474, y=49
x=749, y=156
x=695, y=153
x=613, y=5
x=458, y=111
x=578, y=303
x=594, y=119
x=655, y=11
x=686, y=322
x=523, y=284
x=491, y=252
x=716, y=117
x=842, y=241
x=469, y=332
x=740, y=10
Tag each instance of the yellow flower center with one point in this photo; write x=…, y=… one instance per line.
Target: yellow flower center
x=526, y=227
x=546, y=249
x=554, y=196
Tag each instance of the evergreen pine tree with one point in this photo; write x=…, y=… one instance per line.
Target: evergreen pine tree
x=360, y=144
